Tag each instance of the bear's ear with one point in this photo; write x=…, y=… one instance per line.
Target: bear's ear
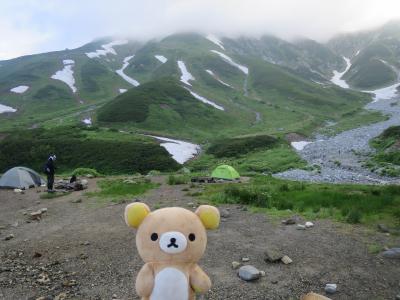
x=135, y=213
x=209, y=216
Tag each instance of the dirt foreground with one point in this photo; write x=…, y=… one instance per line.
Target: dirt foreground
x=84, y=250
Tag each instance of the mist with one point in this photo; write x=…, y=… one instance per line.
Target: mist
x=32, y=26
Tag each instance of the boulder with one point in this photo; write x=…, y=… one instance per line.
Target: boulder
x=235, y=265
x=249, y=273
x=330, y=288
x=309, y=224
x=286, y=260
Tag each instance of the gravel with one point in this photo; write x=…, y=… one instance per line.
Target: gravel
x=340, y=157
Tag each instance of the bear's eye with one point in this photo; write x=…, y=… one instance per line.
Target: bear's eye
x=192, y=237
x=154, y=237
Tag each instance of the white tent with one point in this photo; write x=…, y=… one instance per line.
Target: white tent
x=21, y=178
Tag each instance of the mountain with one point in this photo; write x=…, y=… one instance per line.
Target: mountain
x=374, y=55
x=188, y=86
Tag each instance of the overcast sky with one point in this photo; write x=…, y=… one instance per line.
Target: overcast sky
x=32, y=26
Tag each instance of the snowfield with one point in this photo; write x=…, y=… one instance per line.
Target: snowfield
x=87, y=121
x=161, y=58
x=181, y=151
x=186, y=76
x=121, y=73
x=20, y=89
x=217, y=78
x=212, y=38
x=299, y=145
x=385, y=93
x=121, y=91
x=230, y=61
x=6, y=109
x=204, y=100
x=107, y=49
x=336, y=79
x=66, y=75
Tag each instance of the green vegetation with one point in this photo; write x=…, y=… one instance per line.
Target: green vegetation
x=86, y=171
x=75, y=149
x=348, y=203
x=239, y=146
x=386, y=161
x=120, y=189
x=177, y=179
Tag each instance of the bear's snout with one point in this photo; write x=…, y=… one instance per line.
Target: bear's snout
x=172, y=242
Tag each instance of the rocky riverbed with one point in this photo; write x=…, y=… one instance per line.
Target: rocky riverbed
x=339, y=159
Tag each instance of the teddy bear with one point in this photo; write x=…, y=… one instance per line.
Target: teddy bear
x=171, y=241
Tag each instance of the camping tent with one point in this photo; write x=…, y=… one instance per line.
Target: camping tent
x=225, y=172
x=21, y=178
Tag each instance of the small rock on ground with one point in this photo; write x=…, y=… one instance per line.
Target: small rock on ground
x=330, y=288
x=245, y=259
x=289, y=221
x=235, y=265
x=272, y=254
x=286, y=260
x=309, y=224
x=9, y=237
x=300, y=227
x=249, y=273
x=383, y=228
x=224, y=213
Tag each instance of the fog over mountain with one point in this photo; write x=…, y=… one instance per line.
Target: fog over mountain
x=32, y=26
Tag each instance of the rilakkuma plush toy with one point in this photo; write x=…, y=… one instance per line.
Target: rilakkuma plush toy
x=171, y=241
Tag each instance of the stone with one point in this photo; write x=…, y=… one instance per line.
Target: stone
x=309, y=224
x=18, y=191
x=245, y=259
x=398, y=297
x=190, y=204
x=392, y=253
x=89, y=176
x=114, y=296
x=9, y=237
x=37, y=254
x=224, y=213
x=69, y=283
x=61, y=296
x=79, y=200
x=272, y=254
x=286, y=260
x=36, y=215
x=248, y=273
x=235, y=265
x=300, y=227
x=43, y=210
x=43, y=278
x=274, y=281
x=383, y=228
x=262, y=273
x=330, y=288
x=85, y=243
x=290, y=221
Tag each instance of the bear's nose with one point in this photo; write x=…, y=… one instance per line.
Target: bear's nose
x=173, y=240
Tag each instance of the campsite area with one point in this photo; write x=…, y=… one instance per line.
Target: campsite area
x=81, y=248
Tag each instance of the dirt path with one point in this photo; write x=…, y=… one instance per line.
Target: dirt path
x=89, y=253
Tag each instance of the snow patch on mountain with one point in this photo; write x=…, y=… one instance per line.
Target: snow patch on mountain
x=385, y=93
x=87, y=121
x=336, y=79
x=66, y=75
x=299, y=145
x=161, y=58
x=121, y=91
x=230, y=61
x=186, y=76
x=181, y=151
x=121, y=73
x=205, y=100
x=20, y=89
x=6, y=109
x=217, y=78
x=212, y=38
x=107, y=49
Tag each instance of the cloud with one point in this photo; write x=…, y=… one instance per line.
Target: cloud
x=40, y=25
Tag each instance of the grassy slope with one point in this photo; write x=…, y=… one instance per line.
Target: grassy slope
x=109, y=153
x=350, y=203
x=387, y=158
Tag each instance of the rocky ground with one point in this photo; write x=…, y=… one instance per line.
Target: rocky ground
x=81, y=248
x=340, y=157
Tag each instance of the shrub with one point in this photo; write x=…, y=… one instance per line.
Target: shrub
x=354, y=217
x=86, y=171
x=253, y=196
x=174, y=180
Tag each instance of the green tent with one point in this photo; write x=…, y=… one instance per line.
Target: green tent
x=225, y=172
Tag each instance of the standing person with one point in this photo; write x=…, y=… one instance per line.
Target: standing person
x=50, y=170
